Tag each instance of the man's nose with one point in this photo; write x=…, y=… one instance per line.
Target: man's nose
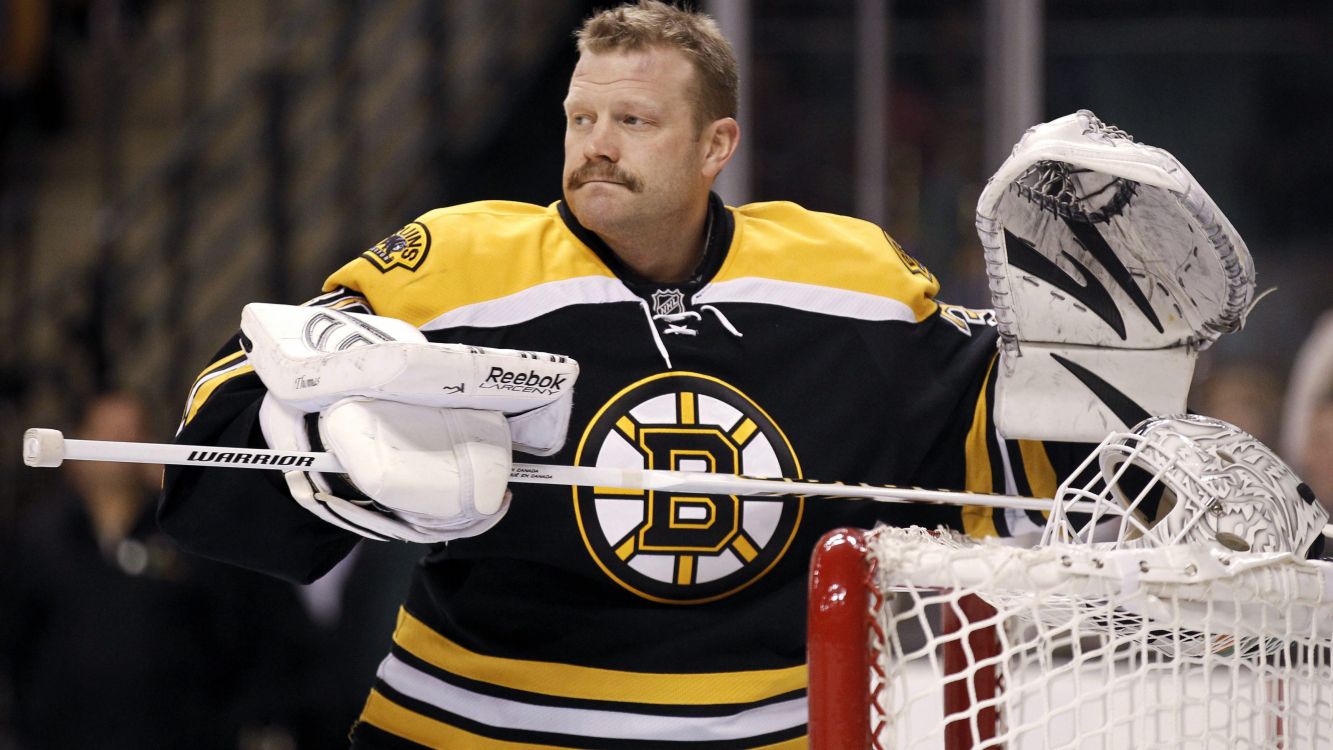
x=601, y=143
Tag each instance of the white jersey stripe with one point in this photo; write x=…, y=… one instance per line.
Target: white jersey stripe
x=534, y=302
x=621, y=725
x=811, y=297
x=545, y=298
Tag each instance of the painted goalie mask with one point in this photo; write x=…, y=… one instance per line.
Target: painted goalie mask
x=1186, y=480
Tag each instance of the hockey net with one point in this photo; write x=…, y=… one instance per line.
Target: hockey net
x=919, y=640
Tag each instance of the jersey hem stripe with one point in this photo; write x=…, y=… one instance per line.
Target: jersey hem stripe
x=433, y=695
x=593, y=683
x=555, y=701
x=411, y=719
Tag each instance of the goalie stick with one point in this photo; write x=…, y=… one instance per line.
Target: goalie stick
x=46, y=447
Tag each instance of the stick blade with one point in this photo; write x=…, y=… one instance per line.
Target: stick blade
x=43, y=447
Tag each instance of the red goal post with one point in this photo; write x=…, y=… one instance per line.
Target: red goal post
x=919, y=641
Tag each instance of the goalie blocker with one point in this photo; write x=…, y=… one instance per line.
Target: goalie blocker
x=424, y=431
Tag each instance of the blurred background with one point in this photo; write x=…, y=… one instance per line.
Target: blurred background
x=163, y=162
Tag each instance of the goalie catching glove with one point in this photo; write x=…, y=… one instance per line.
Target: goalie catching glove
x=425, y=431
x=1110, y=269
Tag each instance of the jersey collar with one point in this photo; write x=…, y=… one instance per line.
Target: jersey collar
x=721, y=226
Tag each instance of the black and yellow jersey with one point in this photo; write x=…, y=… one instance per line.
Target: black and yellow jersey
x=806, y=345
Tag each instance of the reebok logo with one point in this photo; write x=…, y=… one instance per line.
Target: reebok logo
x=501, y=379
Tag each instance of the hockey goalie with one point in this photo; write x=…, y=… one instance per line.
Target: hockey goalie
x=764, y=339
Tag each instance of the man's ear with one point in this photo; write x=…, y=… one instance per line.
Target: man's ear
x=719, y=143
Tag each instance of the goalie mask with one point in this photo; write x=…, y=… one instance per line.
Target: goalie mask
x=1190, y=479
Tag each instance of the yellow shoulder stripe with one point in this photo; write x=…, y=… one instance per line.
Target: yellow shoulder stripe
x=785, y=242
x=590, y=683
x=476, y=252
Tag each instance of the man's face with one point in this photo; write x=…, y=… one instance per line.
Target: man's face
x=634, y=157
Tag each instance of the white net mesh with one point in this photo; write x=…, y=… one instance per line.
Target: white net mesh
x=1176, y=647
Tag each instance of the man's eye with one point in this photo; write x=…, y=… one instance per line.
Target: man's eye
x=633, y=120
x=579, y=119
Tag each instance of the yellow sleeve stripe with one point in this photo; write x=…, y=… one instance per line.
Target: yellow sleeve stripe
x=1040, y=473
x=218, y=365
x=978, y=521
x=213, y=376
x=591, y=683
x=423, y=730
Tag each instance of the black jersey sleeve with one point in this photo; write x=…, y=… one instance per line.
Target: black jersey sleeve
x=245, y=517
x=955, y=370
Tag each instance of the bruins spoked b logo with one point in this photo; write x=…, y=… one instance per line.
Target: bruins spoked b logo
x=685, y=548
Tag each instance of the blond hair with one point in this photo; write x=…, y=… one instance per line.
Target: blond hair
x=651, y=23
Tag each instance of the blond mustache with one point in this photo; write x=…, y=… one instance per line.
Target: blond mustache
x=601, y=171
